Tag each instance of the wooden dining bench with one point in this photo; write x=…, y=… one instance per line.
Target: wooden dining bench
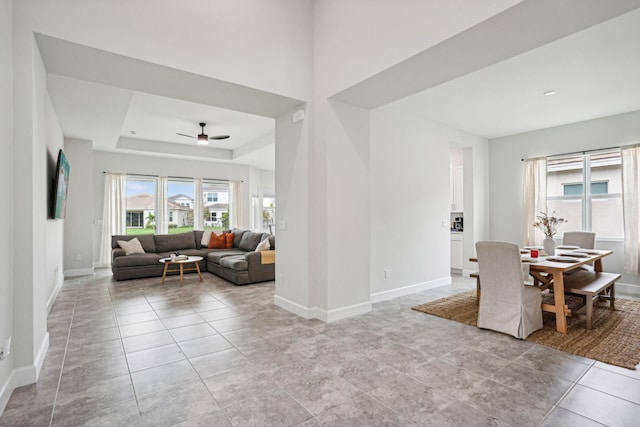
x=592, y=285
x=476, y=275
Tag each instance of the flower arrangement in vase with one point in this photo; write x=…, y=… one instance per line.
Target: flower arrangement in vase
x=549, y=226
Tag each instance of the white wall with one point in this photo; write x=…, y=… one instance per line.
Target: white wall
x=364, y=37
x=410, y=199
x=32, y=235
x=255, y=43
x=347, y=140
x=506, y=170
x=293, y=151
x=79, y=222
x=324, y=165
x=6, y=194
x=54, y=242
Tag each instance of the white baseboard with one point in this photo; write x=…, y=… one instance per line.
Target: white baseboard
x=293, y=307
x=411, y=289
x=78, y=272
x=320, y=313
x=631, y=290
x=42, y=354
x=344, y=312
x=5, y=391
x=54, y=294
x=25, y=375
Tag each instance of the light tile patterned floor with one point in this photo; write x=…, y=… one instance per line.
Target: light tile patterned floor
x=213, y=354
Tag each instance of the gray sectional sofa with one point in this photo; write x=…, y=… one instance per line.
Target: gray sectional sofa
x=240, y=264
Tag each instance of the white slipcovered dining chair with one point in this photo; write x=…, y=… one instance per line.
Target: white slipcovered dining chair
x=506, y=304
x=584, y=239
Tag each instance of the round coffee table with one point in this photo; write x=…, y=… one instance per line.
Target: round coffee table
x=181, y=262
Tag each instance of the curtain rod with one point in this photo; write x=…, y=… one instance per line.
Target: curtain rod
x=574, y=152
x=172, y=177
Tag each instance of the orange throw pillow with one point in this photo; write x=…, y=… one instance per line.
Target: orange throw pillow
x=229, y=242
x=217, y=242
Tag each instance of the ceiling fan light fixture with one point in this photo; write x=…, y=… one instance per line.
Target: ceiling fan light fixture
x=203, y=139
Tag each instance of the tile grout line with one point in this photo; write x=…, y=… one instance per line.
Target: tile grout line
x=566, y=393
x=124, y=353
x=64, y=357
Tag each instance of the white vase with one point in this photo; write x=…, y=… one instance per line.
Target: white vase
x=549, y=245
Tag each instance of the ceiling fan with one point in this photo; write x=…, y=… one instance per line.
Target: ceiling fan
x=203, y=138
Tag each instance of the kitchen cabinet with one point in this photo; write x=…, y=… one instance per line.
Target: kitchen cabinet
x=457, y=244
x=456, y=189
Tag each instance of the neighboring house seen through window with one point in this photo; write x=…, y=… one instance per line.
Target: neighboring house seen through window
x=597, y=209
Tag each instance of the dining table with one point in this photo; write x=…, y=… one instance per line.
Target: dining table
x=550, y=272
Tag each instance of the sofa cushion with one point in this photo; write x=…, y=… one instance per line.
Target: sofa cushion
x=131, y=247
x=237, y=237
x=175, y=242
x=146, y=240
x=136, y=260
x=216, y=256
x=249, y=241
x=236, y=263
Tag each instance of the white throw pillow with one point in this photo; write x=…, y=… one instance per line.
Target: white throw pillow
x=133, y=246
x=206, y=236
x=264, y=245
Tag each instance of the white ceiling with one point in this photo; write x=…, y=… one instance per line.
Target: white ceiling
x=595, y=72
x=123, y=118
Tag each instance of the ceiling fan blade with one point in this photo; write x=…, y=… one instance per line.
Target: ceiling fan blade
x=219, y=137
x=182, y=134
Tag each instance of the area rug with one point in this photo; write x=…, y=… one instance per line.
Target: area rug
x=614, y=337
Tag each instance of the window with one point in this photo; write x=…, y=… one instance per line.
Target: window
x=180, y=196
x=216, y=205
x=142, y=201
x=135, y=219
x=141, y=205
x=263, y=213
x=600, y=208
x=576, y=189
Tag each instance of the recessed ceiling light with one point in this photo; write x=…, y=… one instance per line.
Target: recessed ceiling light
x=550, y=93
x=132, y=132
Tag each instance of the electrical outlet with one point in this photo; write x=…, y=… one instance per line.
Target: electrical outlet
x=5, y=350
x=281, y=278
x=79, y=257
x=387, y=273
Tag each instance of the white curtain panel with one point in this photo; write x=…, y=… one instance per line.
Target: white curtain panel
x=114, y=214
x=631, y=207
x=534, y=191
x=235, y=205
x=198, y=204
x=162, y=211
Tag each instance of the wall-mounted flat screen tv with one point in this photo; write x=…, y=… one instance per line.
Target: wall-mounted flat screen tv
x=60, y=187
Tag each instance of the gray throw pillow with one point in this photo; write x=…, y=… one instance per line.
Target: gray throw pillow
x=249, y=241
